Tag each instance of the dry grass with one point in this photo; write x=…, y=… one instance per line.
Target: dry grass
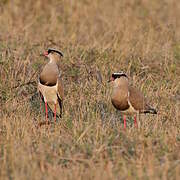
x=140, y=37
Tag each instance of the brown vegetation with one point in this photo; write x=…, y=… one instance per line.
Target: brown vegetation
x=97, y=38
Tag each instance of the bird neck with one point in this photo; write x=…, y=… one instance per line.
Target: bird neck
x=52, y=61
x=53, y=58
x=120, y=82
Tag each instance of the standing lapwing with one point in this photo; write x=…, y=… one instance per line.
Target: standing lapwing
x=50, y=85
x=128, y=99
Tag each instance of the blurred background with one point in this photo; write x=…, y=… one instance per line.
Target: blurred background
x=97, y=38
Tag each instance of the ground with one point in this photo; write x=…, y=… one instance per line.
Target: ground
x=97, y=38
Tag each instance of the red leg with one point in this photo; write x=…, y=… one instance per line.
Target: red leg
x=54, y=112
x=135, y=121
x=124, y=121
x=46, y=112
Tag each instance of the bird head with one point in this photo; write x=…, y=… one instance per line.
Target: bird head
x=119, y=77
x=53, y=55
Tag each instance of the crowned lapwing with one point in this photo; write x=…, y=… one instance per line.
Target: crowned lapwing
x=50, y=84
x=128, y=99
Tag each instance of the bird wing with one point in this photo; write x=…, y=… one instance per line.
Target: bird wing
x=60, y=88
x=136, y=99
x=60, y=95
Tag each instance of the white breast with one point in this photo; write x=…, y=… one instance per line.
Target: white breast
x=49, y=92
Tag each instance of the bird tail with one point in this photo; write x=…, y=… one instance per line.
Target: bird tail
x=150, y=110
